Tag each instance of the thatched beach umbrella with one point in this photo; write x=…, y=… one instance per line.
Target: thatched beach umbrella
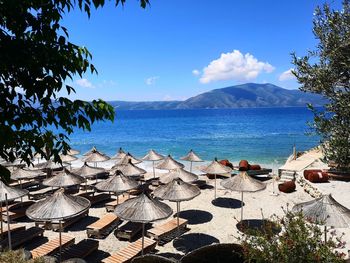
x=169, y=164
x=242, y=182
x=126, y=159
x=8, y=193
x=191, y=157
x=119, y=155
x=177, y=191
x=143, y=209
x=88, y=171
x=58, y=206
x=49, y=166
x=216, y=168
x=118, y=183
x=73, y=152
x=178, y=173
x=153, y=156
x=95, y=157
x=64, y=179
x=93, y=149
x=20, y=174
x=327, y=211
x=129, y=170
x=68, y=158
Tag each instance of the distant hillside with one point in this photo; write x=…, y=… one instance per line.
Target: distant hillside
x=240, y=96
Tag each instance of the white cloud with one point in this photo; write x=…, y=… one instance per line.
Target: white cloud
x=196, y=72
x=287, y=75
x=84, y=83
x=235, y=66
x=151, y=80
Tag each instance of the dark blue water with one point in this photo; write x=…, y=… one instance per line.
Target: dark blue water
x=264, y=135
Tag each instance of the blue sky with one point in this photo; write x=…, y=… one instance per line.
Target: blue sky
x=178, y=49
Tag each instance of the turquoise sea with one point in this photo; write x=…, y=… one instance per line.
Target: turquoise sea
x=260, y=135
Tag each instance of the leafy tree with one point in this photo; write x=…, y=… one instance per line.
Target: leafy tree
x=36, y=60
x=299, y=241
x=326, y=71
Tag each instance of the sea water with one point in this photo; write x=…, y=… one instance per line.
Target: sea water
x=260, y=135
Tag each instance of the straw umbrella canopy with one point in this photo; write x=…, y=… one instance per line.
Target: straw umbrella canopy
x=95, y=157
x=177, y=191
x=49, y=166
x=191, y=157
x=153, y=156
x=8, y=193
x=126, y=159
x=327, y=211
x=178, y=173
x=58, y=206
x=242, y=182
x=88, y=171
x=119, y=155
x=129, y=170
x=64, y=179
x=73, y=152
x=20, y=173
x=169, y=164
x=68, y=158
x=118, y=183
x=216, y=168
x=143, y=209
x=93, y=149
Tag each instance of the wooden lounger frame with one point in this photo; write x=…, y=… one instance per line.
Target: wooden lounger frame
x=52, y=246
x=103, y=226
x=128, y=231
x=18, y=238
x=81, y=250
x=165, y=232
x=113, y=204
x=55, y=225
x=95, y=198
x=17, y=210
x=134, y=249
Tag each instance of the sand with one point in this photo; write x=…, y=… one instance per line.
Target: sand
x=208, y=221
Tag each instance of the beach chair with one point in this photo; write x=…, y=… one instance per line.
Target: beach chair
x=41, y=193
x=81, y=250
x=103, y=226
x=52, y=246
x=113, y=204
x=128, y=231
x=95, y=198
x=18, y=238
x=16, y=210
x=165, y=232
x=13, y=228
x=55, y=225
x=134, y=249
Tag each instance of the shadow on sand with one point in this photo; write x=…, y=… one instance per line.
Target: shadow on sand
x=189, y=242
x=195, y=217
x=227, y=202
x=253, y=226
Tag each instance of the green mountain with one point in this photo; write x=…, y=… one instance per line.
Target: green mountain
x=239, y=96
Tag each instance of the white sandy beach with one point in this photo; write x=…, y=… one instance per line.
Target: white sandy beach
x=215, y=221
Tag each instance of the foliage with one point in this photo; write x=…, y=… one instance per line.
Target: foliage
x=16, y=256
x=36, y=60
x=326, y=71
x=299, y=241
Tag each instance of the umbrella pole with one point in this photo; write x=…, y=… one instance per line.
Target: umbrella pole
x=143, y=237
x=117, y=199
x=154, y=172
x=178, y=211
x=242, y=207
x=8, y=223
x=191, y=167
x=1, y=217
x=215, y=186
x=60, y=226
x=325, y=234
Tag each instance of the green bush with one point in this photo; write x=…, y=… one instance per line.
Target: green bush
x=16, y=256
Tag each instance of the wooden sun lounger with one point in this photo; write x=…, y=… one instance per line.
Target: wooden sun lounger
x=14, y=228
x=103, y=226
x=80, y=250
x=128, y=231
x=134, y=249
x=41, y=193
x=18, y=238
x=24, y=183
x=95, y=198
x=164, y=231
x=113, y=204
x=55, y=225
x=17, y=210
x=52, y=246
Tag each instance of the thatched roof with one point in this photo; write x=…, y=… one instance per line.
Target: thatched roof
x=216, y=168
x=126, y=159
x=177, y=190
x=20, y=173
x=143, y=209
x=12, y=192
x=117, y=183
x=73, y=152
x=58, y=206
x=191, y=157
x=129, y=169
x=95, y=156
x=119, y=155
x=325, y=210
x=152, y=155
x=242, y=182
x=169, y=164
x=68, y=158
x=64, y=179
x=88, y=171
x=178, y=173
x=93, y=149
x=51, y=165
